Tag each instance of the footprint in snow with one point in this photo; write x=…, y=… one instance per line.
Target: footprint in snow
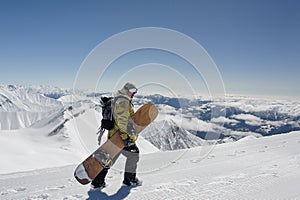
x=201, y=159
x=210, y=156
x=55, y=188
x=41, y=196
x=191, y=182
x=70, y=180
x=162, y=186
x=20, y=189
x=275, y=174
x=283, y=144
x=195, y=160
x=15, y=190
x=76, y=196
x=264, y=149
x=236, y=153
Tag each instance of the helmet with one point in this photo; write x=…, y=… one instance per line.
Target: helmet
x=130, y=87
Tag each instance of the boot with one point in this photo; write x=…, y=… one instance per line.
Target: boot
x=130, y=179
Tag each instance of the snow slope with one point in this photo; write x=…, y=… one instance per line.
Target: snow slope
x=252, y=168
x=21, y=107
x=66, y=137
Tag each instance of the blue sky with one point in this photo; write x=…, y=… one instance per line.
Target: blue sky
x=254, y=43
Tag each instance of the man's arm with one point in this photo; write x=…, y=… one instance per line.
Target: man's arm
x=122, y=115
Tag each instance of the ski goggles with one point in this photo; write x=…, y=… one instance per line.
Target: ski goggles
x=133, y=90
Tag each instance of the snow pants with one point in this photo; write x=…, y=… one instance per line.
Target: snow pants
x=132, y=157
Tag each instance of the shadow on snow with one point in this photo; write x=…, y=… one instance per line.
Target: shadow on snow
x=122, y=193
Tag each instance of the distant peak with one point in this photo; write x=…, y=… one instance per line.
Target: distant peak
x=11, y=88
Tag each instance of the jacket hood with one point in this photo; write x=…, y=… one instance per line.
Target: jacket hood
x=122, y=93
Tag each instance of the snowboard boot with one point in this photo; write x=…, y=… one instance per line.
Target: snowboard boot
x=98, y=186
x=99, y=181
x=133, y=182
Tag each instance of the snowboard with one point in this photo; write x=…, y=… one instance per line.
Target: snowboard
x=102, y=158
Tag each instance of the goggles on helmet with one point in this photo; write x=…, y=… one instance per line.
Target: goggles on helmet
x=133, y=90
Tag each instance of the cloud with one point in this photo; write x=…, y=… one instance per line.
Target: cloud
x=224, y=120
x=249, y=119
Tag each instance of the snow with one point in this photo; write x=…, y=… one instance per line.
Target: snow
x=42, y=140
x=167, y=135
x=22, y=151
x=252, y=168
x=24, y=107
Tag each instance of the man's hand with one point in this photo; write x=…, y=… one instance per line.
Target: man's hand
x=128, y=139
x=132, y=137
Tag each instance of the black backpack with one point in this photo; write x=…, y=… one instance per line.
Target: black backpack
x=108, y=120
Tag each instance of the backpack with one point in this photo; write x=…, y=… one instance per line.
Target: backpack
x=107, y=121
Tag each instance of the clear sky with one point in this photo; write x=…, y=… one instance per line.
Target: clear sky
x=254, y=43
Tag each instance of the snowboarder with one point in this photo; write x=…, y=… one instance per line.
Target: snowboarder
x=122, y=112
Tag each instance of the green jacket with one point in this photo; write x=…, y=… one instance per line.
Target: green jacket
x=123, y=111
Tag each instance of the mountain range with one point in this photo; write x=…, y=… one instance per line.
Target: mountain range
x=182, y=123
x=195, y=149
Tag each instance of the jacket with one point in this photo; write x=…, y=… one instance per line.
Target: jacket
x=122, y=112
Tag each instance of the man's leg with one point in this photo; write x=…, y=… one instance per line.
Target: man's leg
x=99, y=181
x=132, y=157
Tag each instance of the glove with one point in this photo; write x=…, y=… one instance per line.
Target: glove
x=132, y=134
x=131, y=140
x=128, y=139
x=132, y=137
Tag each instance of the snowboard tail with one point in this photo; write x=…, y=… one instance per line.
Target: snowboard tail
x=102, y=158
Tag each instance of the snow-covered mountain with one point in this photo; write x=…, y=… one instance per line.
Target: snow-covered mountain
x=167, y=135
x=239, y=116
x=21, y=107
x=56, y=115
x=21, y=98
x=46, y=132
x=26, y=106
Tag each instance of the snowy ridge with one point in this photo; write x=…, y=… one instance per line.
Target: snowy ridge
x=243, y=116
x=21, y=108
x=166, y=135
x=15, y=98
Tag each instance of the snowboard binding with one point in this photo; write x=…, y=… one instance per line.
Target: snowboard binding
x=103, y=158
